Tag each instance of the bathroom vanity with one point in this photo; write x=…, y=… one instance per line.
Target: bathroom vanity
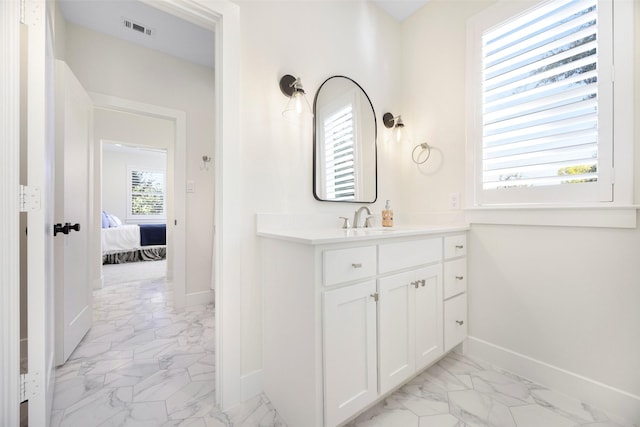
x=351, y=315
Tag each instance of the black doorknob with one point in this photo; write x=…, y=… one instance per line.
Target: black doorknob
x=64, y=229
x=75, y=227
x=58, y=228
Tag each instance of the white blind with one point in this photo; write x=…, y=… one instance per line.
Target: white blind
x=540, y=97
x=147, y=193
x=339, y=155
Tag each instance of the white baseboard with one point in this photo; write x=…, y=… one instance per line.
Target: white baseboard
x=615, y=401
x=197, y=298
x=250, y=385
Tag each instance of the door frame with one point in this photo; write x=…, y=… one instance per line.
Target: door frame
x=10, y=213
x=176, y=153
x=224, y=17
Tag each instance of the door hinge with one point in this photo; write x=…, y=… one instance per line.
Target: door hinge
x=29, y=198
x=28, y=387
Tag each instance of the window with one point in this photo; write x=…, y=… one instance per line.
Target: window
x=339, y=155
x=340, y=129
x=541, y=103
x=146, y=194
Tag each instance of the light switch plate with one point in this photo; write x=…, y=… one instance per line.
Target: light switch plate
x=191, y=186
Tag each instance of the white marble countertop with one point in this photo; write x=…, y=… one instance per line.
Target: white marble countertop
x=339, y=235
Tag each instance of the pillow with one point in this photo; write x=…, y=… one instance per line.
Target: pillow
x=105, y=220
x=114, y=221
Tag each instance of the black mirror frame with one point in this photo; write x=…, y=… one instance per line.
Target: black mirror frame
x=375, y=143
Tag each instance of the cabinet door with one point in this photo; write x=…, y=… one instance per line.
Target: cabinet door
x=350, y=362
x=397, y=329
x=455, y=277
x=455, y=321
x=428, y=318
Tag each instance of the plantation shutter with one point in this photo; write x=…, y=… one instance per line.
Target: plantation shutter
x=147, y=193
x=339, y=155
x=540, y=97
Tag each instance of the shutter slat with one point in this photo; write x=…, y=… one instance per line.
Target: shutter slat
x=540, y=97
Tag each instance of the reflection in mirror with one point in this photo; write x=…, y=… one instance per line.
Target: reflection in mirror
x=344, y=157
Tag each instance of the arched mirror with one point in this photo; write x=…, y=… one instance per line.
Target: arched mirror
x=344, y=143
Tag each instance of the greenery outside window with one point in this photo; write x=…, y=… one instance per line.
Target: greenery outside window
x=147, y=195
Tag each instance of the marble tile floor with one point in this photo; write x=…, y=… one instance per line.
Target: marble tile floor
x=459, y=391
x=145, y=364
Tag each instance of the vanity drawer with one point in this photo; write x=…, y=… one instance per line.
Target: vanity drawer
x=396, y=256
x=455, y=246
x=345, y=265
x=455, y=321
x=455, y=277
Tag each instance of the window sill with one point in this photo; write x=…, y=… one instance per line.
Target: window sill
x=562, y=216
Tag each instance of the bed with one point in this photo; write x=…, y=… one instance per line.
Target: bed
x=134, y=242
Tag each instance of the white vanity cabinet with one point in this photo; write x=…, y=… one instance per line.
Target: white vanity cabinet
x=455, y=288
x=347, y=321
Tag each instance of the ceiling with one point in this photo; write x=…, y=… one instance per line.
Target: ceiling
x=400, y=9
x=168, y=33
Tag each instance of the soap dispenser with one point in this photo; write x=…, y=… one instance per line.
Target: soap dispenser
x=387, y=216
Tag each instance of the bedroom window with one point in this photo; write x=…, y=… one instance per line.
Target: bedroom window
x=147, y=199
x=541, y=103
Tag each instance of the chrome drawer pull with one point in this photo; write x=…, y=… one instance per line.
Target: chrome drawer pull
x=416, y=284
x=460, y=322
x=459, y=246
x=459, y=277
x=358, y=265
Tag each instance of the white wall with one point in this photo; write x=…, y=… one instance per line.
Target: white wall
x=313, y=40
x=115, y=167
x=112, y=67
x=566, y=297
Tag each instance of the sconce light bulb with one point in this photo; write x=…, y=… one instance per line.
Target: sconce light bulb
x=298, y=102
x=400, y=134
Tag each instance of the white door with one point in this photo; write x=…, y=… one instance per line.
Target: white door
x=397, y=329
x=349, y=350
x=39, y=129
x=72, y=213
x=428, y=300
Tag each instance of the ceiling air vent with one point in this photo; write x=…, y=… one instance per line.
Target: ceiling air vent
x=138, y=27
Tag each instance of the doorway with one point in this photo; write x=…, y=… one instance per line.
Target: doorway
x=227, y=170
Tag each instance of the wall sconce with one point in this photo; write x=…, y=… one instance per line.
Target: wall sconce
x=206, y=161
x=298, y=106
x=399, y=133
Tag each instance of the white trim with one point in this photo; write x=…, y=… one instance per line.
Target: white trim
x=9, y=213
x=199, y=298
x=251, y=384
x=223, y=17
x=623, y=107
x=624, y=102
x=178, y=153
x=567, y=216
x=617, y=402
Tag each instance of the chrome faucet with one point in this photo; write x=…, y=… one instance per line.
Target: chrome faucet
x=356, y=217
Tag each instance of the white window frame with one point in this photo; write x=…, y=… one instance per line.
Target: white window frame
x=131, y=217
x=557, y=210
